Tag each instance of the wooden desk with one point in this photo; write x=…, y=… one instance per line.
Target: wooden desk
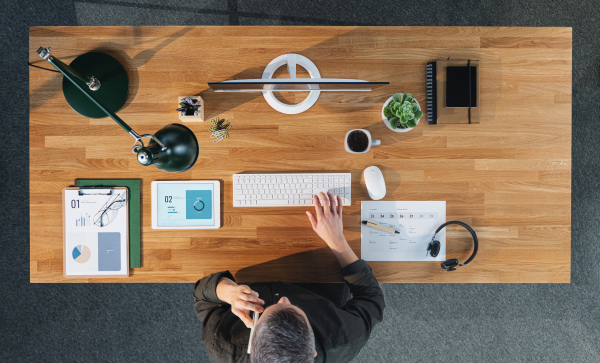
x=509, y=177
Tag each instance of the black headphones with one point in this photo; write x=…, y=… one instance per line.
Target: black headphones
x=434, y=247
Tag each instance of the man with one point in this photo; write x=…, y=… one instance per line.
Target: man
x=296, y=325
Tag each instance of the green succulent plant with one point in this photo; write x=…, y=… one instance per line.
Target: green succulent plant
x=403, y=111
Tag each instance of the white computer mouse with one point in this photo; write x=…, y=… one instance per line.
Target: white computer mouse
x=375, y=182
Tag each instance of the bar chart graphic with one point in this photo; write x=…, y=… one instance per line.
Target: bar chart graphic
x=83, y=221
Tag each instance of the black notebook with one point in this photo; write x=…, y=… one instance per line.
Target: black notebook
x=457, y=87
x=453, y=92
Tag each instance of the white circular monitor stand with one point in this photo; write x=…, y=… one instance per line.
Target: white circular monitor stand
x=291, y=60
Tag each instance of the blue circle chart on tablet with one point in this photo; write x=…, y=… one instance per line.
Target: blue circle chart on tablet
x=190, y=204
x=198, y=204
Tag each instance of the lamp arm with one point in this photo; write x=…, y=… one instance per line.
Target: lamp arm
x=92, y=82
x=67, y=73
x=66, y=68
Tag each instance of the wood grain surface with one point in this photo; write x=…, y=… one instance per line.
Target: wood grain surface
x=509, y=176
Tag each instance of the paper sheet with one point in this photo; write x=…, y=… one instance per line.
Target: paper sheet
x=95, y=233
x=416, y=222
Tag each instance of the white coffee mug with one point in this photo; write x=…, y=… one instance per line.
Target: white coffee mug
x=369, y=144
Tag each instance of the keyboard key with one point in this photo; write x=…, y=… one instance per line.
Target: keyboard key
x=271, y=202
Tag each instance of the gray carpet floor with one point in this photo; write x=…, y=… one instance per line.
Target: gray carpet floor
x=423, y=323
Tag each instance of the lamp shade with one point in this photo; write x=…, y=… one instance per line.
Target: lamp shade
x=180, y=149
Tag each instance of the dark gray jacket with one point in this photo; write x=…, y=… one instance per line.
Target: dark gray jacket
x=340, y=333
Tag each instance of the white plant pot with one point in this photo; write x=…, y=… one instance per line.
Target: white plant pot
x=387, y=122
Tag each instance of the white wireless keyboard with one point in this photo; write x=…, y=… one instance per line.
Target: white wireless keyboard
x=287, y=190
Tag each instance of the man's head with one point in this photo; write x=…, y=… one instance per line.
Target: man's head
x=283, y=334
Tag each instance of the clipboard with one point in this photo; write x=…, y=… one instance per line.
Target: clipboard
x=135, y=229
x=95, y=232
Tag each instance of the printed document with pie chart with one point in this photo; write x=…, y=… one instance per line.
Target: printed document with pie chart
x=96, y=239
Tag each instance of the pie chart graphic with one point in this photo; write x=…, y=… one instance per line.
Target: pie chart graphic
x=81, y=253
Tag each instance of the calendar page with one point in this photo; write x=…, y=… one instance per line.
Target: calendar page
x=416, y=223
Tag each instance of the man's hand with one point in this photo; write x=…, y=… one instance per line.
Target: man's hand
x=241, y=298
x=329, y=225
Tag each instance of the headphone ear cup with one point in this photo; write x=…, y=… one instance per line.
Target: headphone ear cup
x=450, y=264
x=434, y=248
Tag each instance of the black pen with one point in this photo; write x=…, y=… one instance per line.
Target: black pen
x=374, y=225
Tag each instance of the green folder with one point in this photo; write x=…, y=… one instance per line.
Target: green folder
x=135, y=225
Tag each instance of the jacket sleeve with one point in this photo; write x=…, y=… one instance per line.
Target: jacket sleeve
x=205, y=293
x=365, y=309
x=220, y=328
x=208, y=307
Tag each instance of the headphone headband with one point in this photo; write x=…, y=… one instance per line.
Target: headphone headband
x=450, y=264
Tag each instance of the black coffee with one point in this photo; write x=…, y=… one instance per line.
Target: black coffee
x=358, y=141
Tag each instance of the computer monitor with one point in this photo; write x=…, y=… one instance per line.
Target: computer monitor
x=313, y=85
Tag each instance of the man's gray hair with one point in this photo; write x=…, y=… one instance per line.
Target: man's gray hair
x=283, y=337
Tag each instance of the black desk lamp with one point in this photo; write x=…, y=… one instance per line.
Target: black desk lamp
x=173, y=148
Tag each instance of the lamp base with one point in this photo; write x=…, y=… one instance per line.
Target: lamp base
x=114, y=84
